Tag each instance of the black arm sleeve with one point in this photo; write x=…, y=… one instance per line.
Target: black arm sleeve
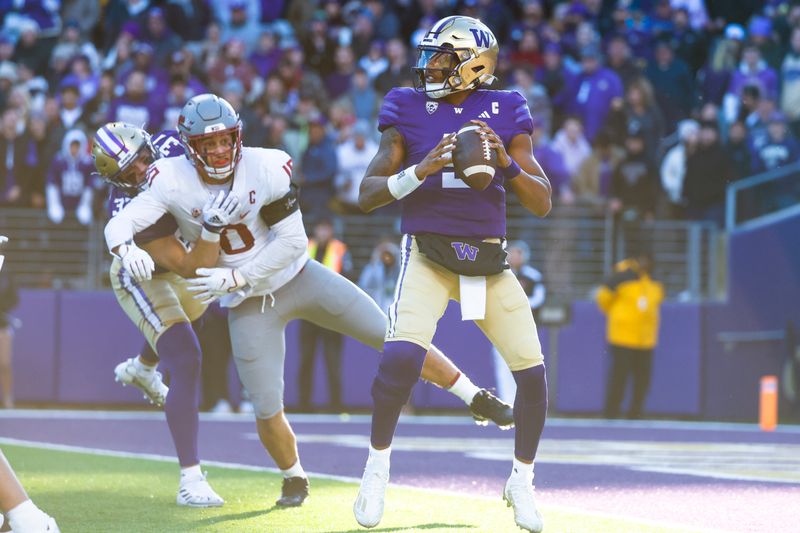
x=273, y=213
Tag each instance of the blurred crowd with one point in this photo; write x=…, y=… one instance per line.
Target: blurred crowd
x=643, y=108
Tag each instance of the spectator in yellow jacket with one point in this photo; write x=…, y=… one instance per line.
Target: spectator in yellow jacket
x=630, y=299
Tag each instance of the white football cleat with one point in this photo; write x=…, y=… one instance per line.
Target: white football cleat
x=222, y=407
x=128, y=373
x=368, y=507
x=518, y=493
x=198, y=493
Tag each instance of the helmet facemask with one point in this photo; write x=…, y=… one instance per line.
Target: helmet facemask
x=218, y=164
x=131, y=177
x=458, y=54
x=436, y=70
x=122, y=153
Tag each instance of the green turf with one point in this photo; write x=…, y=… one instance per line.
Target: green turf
x=90, y=493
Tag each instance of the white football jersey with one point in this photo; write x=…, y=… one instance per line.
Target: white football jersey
x=262, y=176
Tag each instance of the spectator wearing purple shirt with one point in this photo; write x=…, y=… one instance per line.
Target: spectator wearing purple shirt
x=118, y=16
x=267, y=55
x=723, y=60
x=594, y=92
x=753, y=70
x=548, y=158
x=137, y=106
x=156, y=79
x=338, y=82
x=180, y=64
x=69, y=181
x=779, y=148
x=557, y=79
x=163, y=40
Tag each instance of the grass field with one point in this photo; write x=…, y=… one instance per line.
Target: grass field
x=94, y=493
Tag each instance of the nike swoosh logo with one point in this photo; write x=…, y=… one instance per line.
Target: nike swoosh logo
x=244, y=215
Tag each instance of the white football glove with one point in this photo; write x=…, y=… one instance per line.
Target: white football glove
x=136, y=261
x=55, y=213
x=212, y=283
x=3, y=240
x=220, y=211
x=84, y=214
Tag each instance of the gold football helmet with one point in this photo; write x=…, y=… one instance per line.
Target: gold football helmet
x=122, y=152
x=459, y=53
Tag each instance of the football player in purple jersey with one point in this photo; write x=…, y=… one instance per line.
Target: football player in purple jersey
x=454, y=232
x=160, y=305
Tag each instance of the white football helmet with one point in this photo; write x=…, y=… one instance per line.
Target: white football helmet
x=204, y=116
x=459, y=53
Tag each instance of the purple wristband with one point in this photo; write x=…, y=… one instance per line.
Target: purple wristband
x=511, y=171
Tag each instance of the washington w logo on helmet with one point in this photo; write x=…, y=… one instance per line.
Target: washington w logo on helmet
x=482, y=38
x=458, y=54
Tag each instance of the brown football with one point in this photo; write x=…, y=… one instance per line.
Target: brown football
x=473, y=160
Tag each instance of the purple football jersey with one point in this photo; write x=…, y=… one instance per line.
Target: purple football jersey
x=167, y=144
x=445, y=204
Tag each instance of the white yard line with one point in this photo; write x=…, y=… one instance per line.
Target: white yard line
x=353, y=480
x=425, y=420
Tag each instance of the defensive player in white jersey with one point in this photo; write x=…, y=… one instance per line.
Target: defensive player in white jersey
x=23, y=515
x=162, y=307
x=264, y=274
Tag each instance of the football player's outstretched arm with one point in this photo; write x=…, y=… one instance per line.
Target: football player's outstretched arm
x=382, y=186
x=374, y=192
x=531, y=185
x=169, y=253
x=142, y=212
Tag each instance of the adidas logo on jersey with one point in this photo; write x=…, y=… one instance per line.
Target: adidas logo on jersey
x=485, y=114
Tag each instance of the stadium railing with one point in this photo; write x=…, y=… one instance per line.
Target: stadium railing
x=575, y=249
x=759, y=198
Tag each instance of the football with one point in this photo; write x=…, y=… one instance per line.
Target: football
x=474, y=162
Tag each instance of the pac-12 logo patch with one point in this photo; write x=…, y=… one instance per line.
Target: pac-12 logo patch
x=431, y=107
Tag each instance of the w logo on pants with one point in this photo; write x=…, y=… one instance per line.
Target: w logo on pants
x=482, y=39
x=465, y=251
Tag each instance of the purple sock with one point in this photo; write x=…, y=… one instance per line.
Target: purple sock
x=530, y=410
x=180, y=355
x=147, y=354
x=398, y=372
